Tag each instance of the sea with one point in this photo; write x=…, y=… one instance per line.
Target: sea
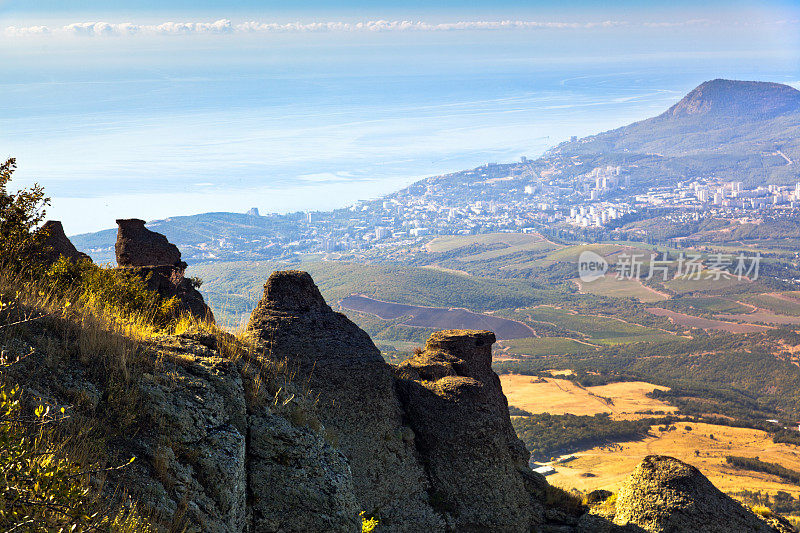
x=158, y=128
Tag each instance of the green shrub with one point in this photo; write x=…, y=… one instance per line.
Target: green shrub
x=42, y=488
x=762, y=510
x=20, y=214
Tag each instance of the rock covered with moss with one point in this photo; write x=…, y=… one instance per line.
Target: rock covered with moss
x=664, y=495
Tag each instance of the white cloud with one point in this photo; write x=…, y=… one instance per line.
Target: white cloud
x=225, y=26
x=26, y=31
x=128, y=28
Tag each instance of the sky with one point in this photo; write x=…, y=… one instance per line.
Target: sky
x=157, y=109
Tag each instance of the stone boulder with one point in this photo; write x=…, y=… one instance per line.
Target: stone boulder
x=477, y=466
x=664, y=495
x=357, y=402
x=137, y=246
x=158, y=262
x=56, y=243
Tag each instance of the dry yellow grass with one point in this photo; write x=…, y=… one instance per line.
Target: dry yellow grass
x=566, y=372
x=610, y=465
x=560, y=396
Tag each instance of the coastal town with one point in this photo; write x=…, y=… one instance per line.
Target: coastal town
x=548, y=195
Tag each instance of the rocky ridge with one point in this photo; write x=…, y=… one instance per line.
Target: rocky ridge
x=476, y=464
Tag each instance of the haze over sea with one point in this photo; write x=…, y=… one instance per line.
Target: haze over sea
x=152, y=121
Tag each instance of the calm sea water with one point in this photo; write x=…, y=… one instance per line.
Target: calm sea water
x=133, y=132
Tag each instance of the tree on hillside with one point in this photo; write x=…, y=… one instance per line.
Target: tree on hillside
x=20, y=215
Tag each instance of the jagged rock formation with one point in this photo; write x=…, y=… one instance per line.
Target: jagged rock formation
x=477, y=466
x=56, y=243
x=357, y=402
x=137, y=246
x=238, y=464
x=664, y=495
x=158, y=261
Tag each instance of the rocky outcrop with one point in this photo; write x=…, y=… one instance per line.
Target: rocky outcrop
x=477, y=466
x=209, y=458
x=158, y=261
x=357, y=402
x=430, y=442
x=56, y=243
x=137, y=246
x=664, y=495
x=298, y=482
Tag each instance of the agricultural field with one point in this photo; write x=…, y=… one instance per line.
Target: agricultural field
x=706, y=323
x=611, y=252
x=704, y=446
x=609, y=285
x=782, y=303
x=437, y=317
x=544, y=346
x=623, y=400
x=763, y=316
x=594, y=329
x=513, y=242
x=706, y=305
x=687, y=284
x=488, y=252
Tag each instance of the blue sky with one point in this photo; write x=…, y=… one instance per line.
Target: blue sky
x=155, y=109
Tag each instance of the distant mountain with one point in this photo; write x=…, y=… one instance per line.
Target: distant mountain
x=747, y=121
x=737, y=100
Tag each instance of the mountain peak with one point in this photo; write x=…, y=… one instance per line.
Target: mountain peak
x=743, y=99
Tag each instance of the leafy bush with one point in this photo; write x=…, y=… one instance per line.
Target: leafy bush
x=20, y=214
x=762, y=510
x=42, y=488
